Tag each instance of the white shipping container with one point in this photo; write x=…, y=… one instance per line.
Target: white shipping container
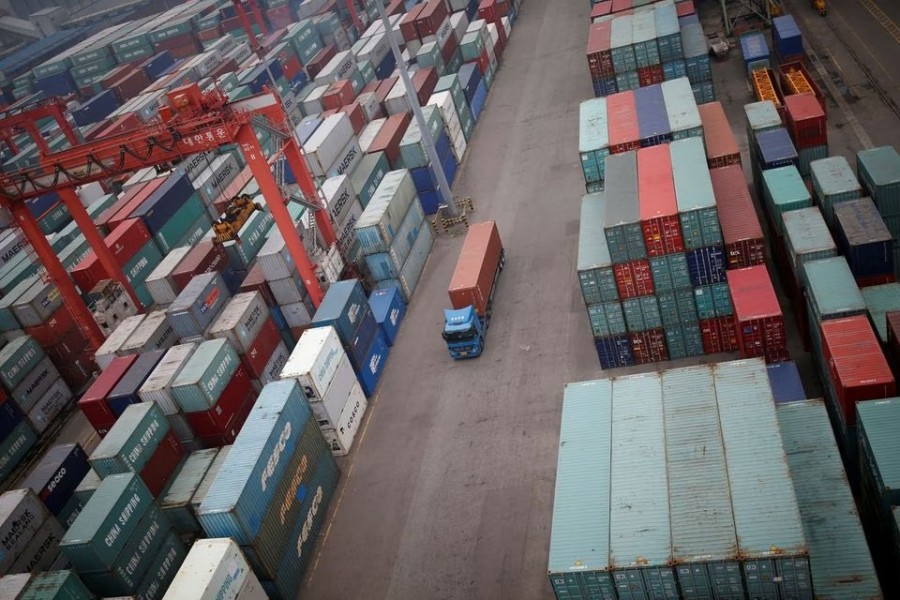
x=35, y=384
x=507, y=26
x=296, y=314
x=339, y=196
x=274, y=257
x=276, y=363
x=241, y=320
x=183, y=432
x=289, y=289
x=160, y=283
x=21, y=514
x=337, y=68
x=376, y=48
x=495, y=35
x=213, y=181
x=314, y=361
x=49, y=406
x=109, y=349
x=328, y=411
x=347, y=161
x=371, y=107
x=345, y=231
x=252, y=589
x=312, y=104
x=11, y=244
x=154, y=333
x=215, y=569
x=156, y=388
x=324, y=147
x=412, y=47
x=340, y=438
x=395, y=102
x=371, y=130
x=37, y=303
x=460, y=23
x=195, y=164
x=89, y=193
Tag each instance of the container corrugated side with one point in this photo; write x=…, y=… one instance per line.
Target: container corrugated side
x=784, y=191
x=806, y=237
x=214, y=469
x=694, y=194
x=879, y=172
x=579, y=536
x=622, y=226
x=703, y=534
x=214, y=569
x=21, y=514
x=382, y=217
x=839, y=555
x=156, y=388
x=766, y=516
x=593, y=139
x=833, y=181
x=176, y=504
x=131, y=441
x=202, y=379
x=17, y=359
x=640, y=538
x=239, y=497
x=681, y=107
x=241, y=320
x=56, y=584
x=154, y=333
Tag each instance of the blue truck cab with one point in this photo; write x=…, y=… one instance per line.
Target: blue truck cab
x=463, y=332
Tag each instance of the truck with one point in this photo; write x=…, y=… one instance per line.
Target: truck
x=472, y=289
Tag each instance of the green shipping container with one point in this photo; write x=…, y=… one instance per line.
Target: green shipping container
x=642, y=314
x=879, y=172
x=136, y=53
x=713, y=301
x=99, y=534
x=200, y=382
x=131, y=441
x=176, y=504
x=833, y=181
x=51, y=67
x=607, y=319
x=55, y=219
x=252, y=236
x=90, y=55
x=161, y=573
x=17, y=359
x=142, y=264
x=196, y=233
x=412, y=149
x=806, y=238
x=100, y=66
x=131, y=41
x=56, y=585
x=677, y=307
x=880, y=300
x=15, y=446
x=16, y=274
x=171, y=29
x=670, y=272
x=368, y=175
x=595, y=271
x=831, y=289
x=179, y=225
x=784, y=191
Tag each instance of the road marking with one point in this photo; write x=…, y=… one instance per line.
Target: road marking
x=883, y=20
x=863, y=45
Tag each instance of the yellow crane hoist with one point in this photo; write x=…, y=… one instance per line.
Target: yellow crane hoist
x=819, y=5
x=236, y=214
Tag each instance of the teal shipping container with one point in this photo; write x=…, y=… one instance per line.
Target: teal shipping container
x=670, y=272
x=879, y=173
x=713, y=301
x=200, y=382
x=387, y=265
x=412, y=148
x=415, y=264
x=784, y=191
x=642, y=314
x=831, y=289
x=240, y=496
x=163, y=569
x=880, y=300
x=17, y=359
x=607, y=319
x=621, y=45
x=593, y=139
x=381, y=219
x=368, y=175
x=99, y=534
x=15, y=447
x=142, y=264
x=677, y=308
x=87, y=487
x=643, y=33
x=595, y=272
x=833, y=181
x=252, y=236
x=684, y=340
x=694, y=194
x=806, y=156
x=806, y=238
x=176, y=504
x=622, y=224
x=8, y=320
x=56, y=585
x=579, y=565
x=179, y=225
x=839, y=557
x=131, y=441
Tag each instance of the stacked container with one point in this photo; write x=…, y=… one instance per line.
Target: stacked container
x=865, y=241
x=878, y=170
x=721, y=146
x=833, y=182
x=388, y=308
x=157, y=388
x=55, y=478
x=31, y=534
x=323, y=369
x=274, y=488
x=176, y=504
x=393, y=235
x=759, y=323
x=198, y=305
x=809, y=132
x=215, y=568
x=785, y=381
x=742, y=233
x=881, y=300
x=121, y=543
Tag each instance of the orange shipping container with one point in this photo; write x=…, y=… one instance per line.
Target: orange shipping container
x=721, y=146
x=473, y=279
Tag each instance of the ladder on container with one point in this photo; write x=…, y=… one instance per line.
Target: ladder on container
x=797, y=82
x=763, y=86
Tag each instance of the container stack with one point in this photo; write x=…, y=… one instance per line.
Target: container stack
x=140, y=442
x=880, y=301
x=176, y=504
x=215, y=568
x=721, y=146
x=393, y=235
x=31, y=534
x=809, y=131
x=631, y=120
x=784, y=378
x=55, y=478
x=827, y=508
x=787, y=40
x=759, y=323
x=771, y=149
x=121, y=544
x=53, y=584
x=388, y=308
x=833, y=182
x=323, y=369
x=696, y=59
x=806, y=238
x=274, y=488
x=879, y=173
x=865, y=241
x=626, y=453
x=742, y=234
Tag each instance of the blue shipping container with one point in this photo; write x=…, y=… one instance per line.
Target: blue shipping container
x=156, y=65
x=388, y=309
x=125, y=393
x=55, y=478
x=343, y=307
x=784, y=379
x=477, y=103
x=614, y=351
x=362, y=341
x=40, y=205
x=373, y=365
x=787, y=37
x=706, y=265
x=58, y=84
x=164, y=202
x=469, y=78
x=755, y=50
x=653, y=119
x=386, y=67
x=775, y=149
x=96, y=109
x=10, y=416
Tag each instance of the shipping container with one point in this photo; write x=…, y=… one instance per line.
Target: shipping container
x=56, y=476
x=56, y=584
x=784, y=379
x=21, y=515
x=199, y=383
x=125, y=392
x=131, y=441
x=153, y=333
x=806, y=120
x=879, y=173
x=624, y=234
x=840, y=563
x=214, y=569
x=221, y=423
x=198, y=304
x=684, y=118
x=864, y=240
x=385, y=211
x=595, y=272
x=388, y=309
x=624, y=132
x=831, y=290
x=741, y=231
x=755, y=51
x=806, y=238
x=176, y=503
x=877, y=454
x=241, y=320
x=784, y=191
x=774, y=149
x=18, y=359
x=721, y=146
x=656, y=201
x=881, y=300
x=694, y=195
x=593, y=139
x=759, y=322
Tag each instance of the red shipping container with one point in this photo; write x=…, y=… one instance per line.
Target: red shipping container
x=759, y=322
x=656, y=202
x=806, y=121
x=210, y=34
x=136, y=196
x=621, y=5
x=176, y=41
x=215, y=421
x=425, y=80
x=787, y=68
x=233, y=428
x=124, y=242
x=500, y=45
x=357, y=116
x=292, y=68
x=487, y=10
x=684, y=8
x=484, y=61
x=255, y=359
x=396, y=7
x=162, y=464
x=721, y=146
x=372, y=86
x=255, y=281
x=718, y=335
x=319, y=61
x=68, y=348
x=599, y=54
x=601, y=9
x=114, y=75
x=450, y=46
x=621, y=112
x=340, y=93
x=408, y=23
x=856, y=365
x=744, y=245
x=649, y=346
x=229, y=66
x=230, y=24
x=384, y=88
x=205, y=257
x=78, y=372
x=54, y=328
x=650, y=75
x=93, y=401
x=633, y=279
x=431, y=17
x=875, y=280
x=389, y=137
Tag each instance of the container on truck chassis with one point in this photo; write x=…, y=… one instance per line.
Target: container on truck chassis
x=472, y=290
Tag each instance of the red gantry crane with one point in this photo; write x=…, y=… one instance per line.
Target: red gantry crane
x=192, y=122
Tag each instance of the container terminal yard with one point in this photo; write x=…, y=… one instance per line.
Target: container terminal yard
x=637, y=423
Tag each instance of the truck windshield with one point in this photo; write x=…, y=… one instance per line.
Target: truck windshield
x=459, y=336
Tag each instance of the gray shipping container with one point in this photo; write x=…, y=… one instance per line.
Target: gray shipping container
x=595, y=273
x=806, y=237
x=35, y=385
x=176, y=504
x=51, y=403
x=157, y=387
x=198, y=304
x=622, y=223
x=241, y=320
x=42, y=550
x=154, y=333
x=12, y=587
x=209, y=478
x=159, y=283
x=110, y=348
x=37, y=304
x=200, y=382
x=21, y=514
x=87, y=486
x=18, y=359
